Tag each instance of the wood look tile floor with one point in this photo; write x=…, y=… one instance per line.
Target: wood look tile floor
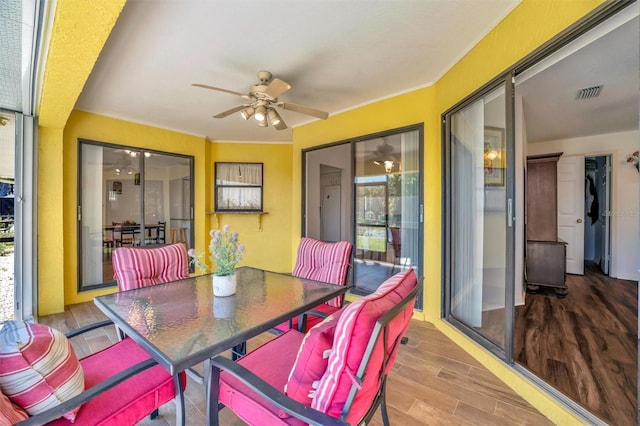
x=586, y=344
x=433, y=382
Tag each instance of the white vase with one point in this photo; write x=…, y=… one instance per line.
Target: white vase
x=224, y=285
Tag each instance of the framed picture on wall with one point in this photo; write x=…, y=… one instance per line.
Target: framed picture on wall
x=238, y=187
x=494, y=156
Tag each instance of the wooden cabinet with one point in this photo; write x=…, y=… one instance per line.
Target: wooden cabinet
x=546, y=254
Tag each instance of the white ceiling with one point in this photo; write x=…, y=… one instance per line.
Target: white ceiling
x=607, y=56
x=336, y=54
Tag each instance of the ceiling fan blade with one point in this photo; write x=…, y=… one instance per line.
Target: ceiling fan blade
x=280, y=126
x=219, y=89
x=230, y=111
x=276, y=88
x=303, y=109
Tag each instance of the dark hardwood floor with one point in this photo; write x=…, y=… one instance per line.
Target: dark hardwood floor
x=586, y=344
x=433, y=381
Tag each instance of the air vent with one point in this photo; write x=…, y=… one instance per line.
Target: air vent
x=589, y=92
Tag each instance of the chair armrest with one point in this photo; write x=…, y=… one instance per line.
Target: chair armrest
x=302, y=319
x=86, y=328
x=273, y=395
x=57, y=411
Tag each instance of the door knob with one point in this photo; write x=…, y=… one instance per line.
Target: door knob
x=579, y=220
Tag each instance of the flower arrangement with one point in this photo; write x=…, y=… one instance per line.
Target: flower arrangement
x=633, y=160
x=224, y=251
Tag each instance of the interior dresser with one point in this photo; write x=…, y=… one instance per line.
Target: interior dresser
x=546, y=253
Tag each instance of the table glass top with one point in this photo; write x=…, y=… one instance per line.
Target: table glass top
x=183, y=323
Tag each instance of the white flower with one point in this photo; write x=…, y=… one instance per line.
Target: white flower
x=224, y=251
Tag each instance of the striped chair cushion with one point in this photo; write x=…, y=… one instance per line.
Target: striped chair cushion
x=311, y=361
x=321, y=261
x=38, y=367
x=352, y=334
x=10, y=413
x=142, y=267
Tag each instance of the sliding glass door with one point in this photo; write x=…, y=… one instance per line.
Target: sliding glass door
x=387, y=216
x=369, y=191
x=128, y=197
x=480, y=226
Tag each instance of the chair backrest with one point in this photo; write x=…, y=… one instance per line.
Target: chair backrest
x=142, y=267
x=364, y=348
x=161, y=237
x=322, y=261
x=395, y=241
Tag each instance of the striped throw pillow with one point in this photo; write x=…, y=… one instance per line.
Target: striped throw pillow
x=311, y=361
x=351, y=337
x=38, y=367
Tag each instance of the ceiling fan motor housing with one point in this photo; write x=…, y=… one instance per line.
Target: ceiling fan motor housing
x=257, y=91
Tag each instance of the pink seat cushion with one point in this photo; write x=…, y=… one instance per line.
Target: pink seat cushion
x=312, y=360
x=352, y=334
x=130, y=401
x=272, y=362
x=38, y=367
x=142, y=267
x=10, y=413
x=321, y=261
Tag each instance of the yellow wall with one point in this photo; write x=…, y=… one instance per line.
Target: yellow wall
x=80, y=30
x=399, y=111
x=79, y=33
x=98, y=128
x=267, y=240
x=268, y=246
x=531, y=24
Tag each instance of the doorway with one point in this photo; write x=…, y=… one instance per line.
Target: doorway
x=597, y=233
x=368, y=191
x=7, y=215
x=585, y=345
x=575, y=98
x=330, y=203
x=128, y=197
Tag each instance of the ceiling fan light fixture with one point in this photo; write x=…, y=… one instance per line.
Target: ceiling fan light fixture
x=387, y=164
x=262, y=123
x=261, y=114
x=247, y=112
x=490, y=153
x=274, y=117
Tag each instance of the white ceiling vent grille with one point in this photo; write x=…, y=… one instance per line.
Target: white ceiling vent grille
x=589, y=92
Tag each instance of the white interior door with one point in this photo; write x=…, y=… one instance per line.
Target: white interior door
x=330, y=216
x=571, y=210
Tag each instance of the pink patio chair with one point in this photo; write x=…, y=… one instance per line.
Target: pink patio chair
x=320, y=261
x=141, y=267
x=118, y=385
x=334, y=375
x=135, y=267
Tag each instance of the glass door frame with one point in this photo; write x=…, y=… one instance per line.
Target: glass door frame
x=506, y=353
x=141, y=180
x=590, y=21
x=419, y=128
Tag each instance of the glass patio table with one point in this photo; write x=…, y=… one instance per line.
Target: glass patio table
x=181, y=323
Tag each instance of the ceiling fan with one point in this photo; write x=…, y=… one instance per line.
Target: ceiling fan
x=262, y=99
x=122, y=165
x=384, y=156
